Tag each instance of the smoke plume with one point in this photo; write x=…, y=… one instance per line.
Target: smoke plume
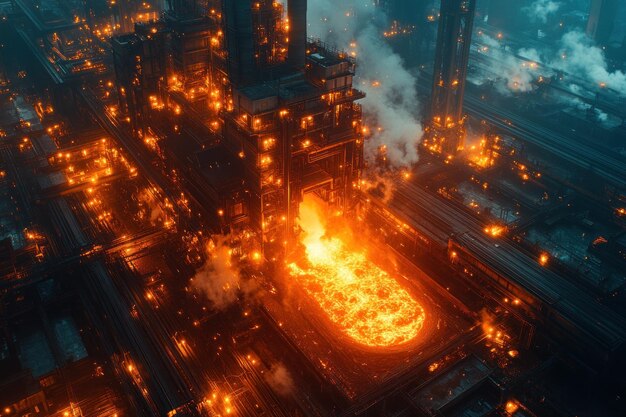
x=279, y=378
x=380, y=184
x=540, y=10
x=576, y=56
x=512, y=72
x=577, y=103
x=486, y=320
x=580, y=57
x=219, y=278
x=391, y=107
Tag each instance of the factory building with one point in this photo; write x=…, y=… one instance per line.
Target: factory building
x=280, y=106
x=469, y=278
x=294, y=122
x=139, y=63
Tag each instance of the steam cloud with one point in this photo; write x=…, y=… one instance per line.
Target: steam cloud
x=391, y=107
x=279, y=378
x=540, y=10
x=515, y=73
x=581, y=58
x=577, y=57
x=582, y=106
x=219, y=278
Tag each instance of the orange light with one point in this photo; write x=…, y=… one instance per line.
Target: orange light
x=361, y=298
x=511, y=407
x=494, y=230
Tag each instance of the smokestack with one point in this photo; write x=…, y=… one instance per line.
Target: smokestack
x=296, y=10
x=240, y=40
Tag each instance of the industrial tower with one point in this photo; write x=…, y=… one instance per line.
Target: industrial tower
x=603, y=21
x=294, y=123
x=445, y=130
x=278, y=110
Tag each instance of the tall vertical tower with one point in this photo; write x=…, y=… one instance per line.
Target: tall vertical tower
x=411, y=30
x=258, y=38
x=602, y=20
x=189, y=26
x=139, y=61
x=505, y=15
x=294, y=124
x=284, y=108
x=445, y=131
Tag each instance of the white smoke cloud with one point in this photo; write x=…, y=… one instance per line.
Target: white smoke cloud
x=279, y=378
x=391, y=107
x=510, y=72
x=219, y=278
x=578, y=56
x=540, y=10
x=580, y=105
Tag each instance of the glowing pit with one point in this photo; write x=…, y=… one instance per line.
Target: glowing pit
x=362, y=299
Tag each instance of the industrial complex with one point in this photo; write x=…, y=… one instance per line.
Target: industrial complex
x=316, y=208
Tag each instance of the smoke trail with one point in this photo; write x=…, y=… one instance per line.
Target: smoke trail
x=578, y=104
x=540, y=10
x=279, y=378
x=219, y=278
x=577, y=57
x=391, y=107
x=380, y=184
x=510, y=73
x=580, y=57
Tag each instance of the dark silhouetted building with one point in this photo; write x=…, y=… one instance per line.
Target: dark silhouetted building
x=445, y=131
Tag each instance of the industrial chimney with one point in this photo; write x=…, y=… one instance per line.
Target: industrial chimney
x=240, y=40
x=296, y=10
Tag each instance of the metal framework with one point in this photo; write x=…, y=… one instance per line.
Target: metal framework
x=446, y=131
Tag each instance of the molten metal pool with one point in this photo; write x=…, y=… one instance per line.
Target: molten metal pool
x=363, y=300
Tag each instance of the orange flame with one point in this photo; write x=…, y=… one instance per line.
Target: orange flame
x=362, y=299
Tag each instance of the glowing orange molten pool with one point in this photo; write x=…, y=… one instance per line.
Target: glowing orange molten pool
x=362, y=299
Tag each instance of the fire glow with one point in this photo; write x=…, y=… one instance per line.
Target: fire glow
x=363, y=300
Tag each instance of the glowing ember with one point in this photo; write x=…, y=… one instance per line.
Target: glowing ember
x=365, y=302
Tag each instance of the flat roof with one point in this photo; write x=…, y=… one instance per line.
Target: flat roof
x=325, y=60
x=596, y=320
x=219, y=167
x=260, y=91
x=294, y=86
x=452, y=385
